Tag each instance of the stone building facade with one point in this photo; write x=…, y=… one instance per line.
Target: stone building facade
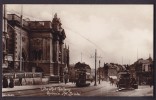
x=100, y=73
x=36, y=46
x=143, y=71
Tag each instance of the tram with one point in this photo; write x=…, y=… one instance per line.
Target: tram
x=81, y=80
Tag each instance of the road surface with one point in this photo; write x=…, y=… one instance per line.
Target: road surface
x=103, y=89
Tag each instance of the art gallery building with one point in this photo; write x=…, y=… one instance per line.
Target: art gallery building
x=34, y=46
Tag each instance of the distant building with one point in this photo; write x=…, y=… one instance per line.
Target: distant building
x=143, y=70
x=100, y=73
x=105, y=68
x=92, y=73
x=112, y=70
x=39, y=45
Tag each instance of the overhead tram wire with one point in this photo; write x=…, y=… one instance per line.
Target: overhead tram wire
x=65, y=27
x=85, y=38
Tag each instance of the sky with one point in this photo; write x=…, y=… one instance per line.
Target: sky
x=119, y=33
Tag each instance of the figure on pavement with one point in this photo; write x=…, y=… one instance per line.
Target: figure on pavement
x=5, y=82
x=11, y=84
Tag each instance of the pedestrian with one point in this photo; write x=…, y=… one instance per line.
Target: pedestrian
x=5, y=82
x=111, y=81
x=11, y=84
x=20, y=80
x=66, y=78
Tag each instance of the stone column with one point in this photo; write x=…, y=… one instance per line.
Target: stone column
x=44, y=49
x=62, y=53
x=56, y=54
x=51, y=49
x=62, y=60
x=4, y=38
x=56, y=49
x=15, y=58
x=57, y=57
x=51, y=57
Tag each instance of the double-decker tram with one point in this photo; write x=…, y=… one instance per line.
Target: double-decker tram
x=81, y=78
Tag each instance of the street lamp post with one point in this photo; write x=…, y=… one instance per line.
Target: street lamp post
x=99, y=72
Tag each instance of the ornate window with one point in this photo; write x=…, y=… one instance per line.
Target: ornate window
x=37, y=54
x=37, y=49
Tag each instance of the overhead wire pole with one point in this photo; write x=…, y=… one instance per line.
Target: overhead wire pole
x=21, y=22
x=99, y=72
x=95, y=68
x=84, y=38
x=95, y=84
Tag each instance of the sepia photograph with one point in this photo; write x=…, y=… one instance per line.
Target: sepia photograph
x=77, y=50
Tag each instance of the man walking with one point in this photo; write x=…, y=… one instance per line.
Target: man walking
x=20, y=80
x=66, y=78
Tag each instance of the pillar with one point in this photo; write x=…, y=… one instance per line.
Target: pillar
x=15, y=57
x=56, y=55
x=51, y=57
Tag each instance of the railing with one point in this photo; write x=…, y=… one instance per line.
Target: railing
x=14, y=17
x=24, y=75
x=31, y=24
x=28, y=78
x=40, y=24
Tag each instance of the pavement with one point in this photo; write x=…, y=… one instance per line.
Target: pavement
x=29, y=87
